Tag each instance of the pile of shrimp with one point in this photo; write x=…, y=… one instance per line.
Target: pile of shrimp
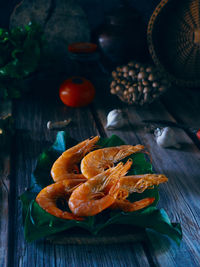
x=92, y=181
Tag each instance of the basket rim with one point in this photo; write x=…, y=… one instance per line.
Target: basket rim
x=178, y=81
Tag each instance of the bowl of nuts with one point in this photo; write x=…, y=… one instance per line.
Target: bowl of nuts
x=137, y=83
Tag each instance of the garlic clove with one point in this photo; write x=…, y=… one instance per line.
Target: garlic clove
x=166, y=137
x=115, y=119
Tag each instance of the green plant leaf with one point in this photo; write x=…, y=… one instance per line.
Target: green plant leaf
x=20, y=51
x=39, y=224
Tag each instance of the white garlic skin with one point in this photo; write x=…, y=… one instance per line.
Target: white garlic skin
x=115, y=119
x=166, y=137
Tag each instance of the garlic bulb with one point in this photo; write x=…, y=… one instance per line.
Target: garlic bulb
x=115, y=119
x=166, y=137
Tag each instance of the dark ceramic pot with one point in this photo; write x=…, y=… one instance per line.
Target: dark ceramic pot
x=123, y=36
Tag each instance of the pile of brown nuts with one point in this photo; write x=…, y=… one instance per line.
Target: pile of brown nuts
x=137, y=83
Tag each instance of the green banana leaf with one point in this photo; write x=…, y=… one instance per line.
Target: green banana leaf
x=39, y=224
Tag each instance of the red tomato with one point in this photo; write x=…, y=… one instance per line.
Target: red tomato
x=76, y=92
x=198, y=134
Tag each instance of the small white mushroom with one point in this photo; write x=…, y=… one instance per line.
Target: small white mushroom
x=166, y=137
x=115, y=119
x=57, y=124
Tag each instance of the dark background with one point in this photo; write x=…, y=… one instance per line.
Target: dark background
x=95, y=9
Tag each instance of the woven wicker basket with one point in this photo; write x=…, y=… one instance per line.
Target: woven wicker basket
x=174, y=40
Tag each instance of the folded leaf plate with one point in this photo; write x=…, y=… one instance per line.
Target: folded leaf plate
x=108, y=226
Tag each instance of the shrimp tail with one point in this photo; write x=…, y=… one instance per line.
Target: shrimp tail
x=126, y=150
x=83, y=147
x=128, y=206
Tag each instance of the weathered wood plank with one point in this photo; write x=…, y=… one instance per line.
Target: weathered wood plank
x=4, y=204
x=181, y=195
x=184, y=104
x=107, y=255
x=32, y=137
x=5, y=112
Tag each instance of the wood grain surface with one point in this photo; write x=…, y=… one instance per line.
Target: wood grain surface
x=179, y=197
x=31, y=138
x=5, y=190
x=4, y=201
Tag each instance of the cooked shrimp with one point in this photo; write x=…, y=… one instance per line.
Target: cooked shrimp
x=128, y=206
x=139, y=183
x=65, y=167
x=136, y=183
x=89, y=198
x=101, y=159
x=49, y=196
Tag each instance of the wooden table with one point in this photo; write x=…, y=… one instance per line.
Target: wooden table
x=180, y=197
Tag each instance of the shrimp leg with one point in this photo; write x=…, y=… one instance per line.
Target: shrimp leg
x=65, y=167
x=48, y=196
